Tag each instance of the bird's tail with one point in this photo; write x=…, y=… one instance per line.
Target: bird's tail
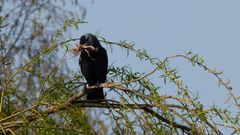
x=95, y=94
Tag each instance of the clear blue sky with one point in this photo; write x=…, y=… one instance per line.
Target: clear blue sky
x=163, y=28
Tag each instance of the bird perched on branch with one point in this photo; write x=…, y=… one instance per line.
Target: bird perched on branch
x=93, y=63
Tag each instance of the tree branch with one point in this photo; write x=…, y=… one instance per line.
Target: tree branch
x=74, y=101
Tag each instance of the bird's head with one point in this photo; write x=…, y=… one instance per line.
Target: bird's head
x=90, y=40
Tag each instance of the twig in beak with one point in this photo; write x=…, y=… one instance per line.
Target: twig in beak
x=75, y=51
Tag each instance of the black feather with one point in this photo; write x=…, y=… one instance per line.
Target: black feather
x=93, y=64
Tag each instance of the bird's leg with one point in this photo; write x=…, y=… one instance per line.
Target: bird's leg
x=97, y=84
x=86, y=88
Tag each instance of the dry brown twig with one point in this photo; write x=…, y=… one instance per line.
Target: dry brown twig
x=84, y=47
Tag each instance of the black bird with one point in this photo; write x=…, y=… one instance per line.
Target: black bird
x=93, y=64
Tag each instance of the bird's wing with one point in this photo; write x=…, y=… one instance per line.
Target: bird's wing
x=102, y=64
